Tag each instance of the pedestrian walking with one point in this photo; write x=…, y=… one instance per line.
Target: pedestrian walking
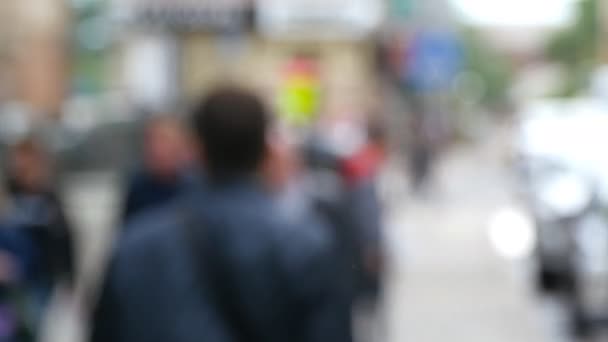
x=221, y=263
x=164, y=170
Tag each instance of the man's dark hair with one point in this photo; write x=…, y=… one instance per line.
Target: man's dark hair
x=231, y=124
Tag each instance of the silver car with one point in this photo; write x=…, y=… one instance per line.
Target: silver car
x=564, y=174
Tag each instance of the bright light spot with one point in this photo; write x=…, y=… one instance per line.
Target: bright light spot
x=512, y=233
x=516, y=12
x=565, y=194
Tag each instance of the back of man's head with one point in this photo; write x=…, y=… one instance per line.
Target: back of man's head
x=231, y=125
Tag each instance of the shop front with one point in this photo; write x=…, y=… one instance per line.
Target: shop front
x=258, y=44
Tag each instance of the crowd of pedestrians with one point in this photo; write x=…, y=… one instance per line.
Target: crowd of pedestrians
x=231, y=231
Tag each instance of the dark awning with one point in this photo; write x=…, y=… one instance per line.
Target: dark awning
x=194, y=15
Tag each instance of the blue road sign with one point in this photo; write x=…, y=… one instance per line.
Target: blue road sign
x=433, y=61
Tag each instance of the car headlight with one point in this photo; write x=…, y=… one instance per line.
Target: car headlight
x=563, y=194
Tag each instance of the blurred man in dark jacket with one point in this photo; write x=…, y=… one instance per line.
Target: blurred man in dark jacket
x=345, y=193
x=165, y=166
x=16, y=256
x=37, y=207
x=221, y=264
x=363, y=208
x=35, y=239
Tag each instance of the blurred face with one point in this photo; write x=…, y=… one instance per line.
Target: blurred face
x=30, y=169
x=166, y=148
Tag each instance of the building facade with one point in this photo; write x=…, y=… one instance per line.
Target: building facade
x=37, y=54
x=199, y=44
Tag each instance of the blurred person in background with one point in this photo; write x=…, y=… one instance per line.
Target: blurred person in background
x=16, y=318
x=363, y=216
x=166, y=162
x=36, y=249
x=361, y=171
x=222, y=263
x=35, y=200
x=343, y=159
x=329, y=145
x=421, y=151
x=20, y=306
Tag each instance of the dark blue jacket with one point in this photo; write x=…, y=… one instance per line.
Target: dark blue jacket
x=145, y=192
x=280, y=274
x=43, y=223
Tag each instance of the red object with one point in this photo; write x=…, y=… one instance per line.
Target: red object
x=362, y=165
x=301, y=66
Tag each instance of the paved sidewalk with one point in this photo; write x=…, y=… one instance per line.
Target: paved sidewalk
x=447, y=283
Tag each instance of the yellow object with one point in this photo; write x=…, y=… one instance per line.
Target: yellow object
x=299, y=99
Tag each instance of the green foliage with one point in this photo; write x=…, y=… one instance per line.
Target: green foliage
x=575, y=48
x=494, y=68
x=89, y=65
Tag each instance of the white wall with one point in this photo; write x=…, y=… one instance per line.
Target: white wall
x=150, y=70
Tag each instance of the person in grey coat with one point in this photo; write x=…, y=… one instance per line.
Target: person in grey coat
x=221, y=263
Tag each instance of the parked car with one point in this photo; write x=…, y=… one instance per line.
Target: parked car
x=564, y=175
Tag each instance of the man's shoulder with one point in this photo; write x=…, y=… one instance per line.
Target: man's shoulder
x=304, y=239
x=293, y=228
x=153, y=228
x=295, y=238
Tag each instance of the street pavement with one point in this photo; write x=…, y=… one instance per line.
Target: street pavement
x=446, y=281
x=92, y=202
